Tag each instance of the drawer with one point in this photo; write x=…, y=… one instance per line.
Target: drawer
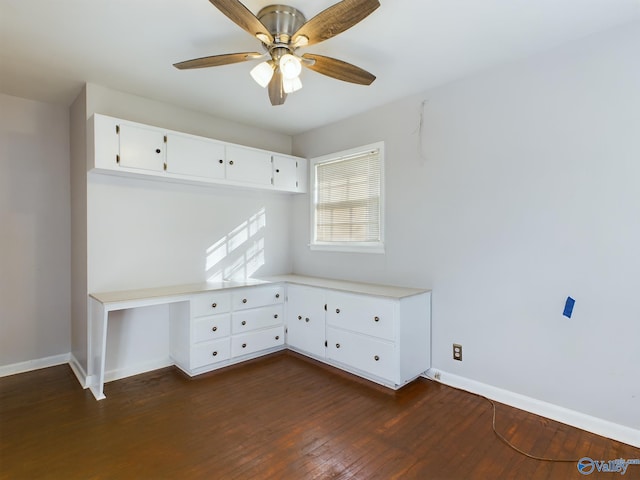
x=359, y=313
x=210, y=352
x=257, y=318
x=210, y=303
x=253, y=342
x=210, y=328
x=257, y=297
x=371, y=355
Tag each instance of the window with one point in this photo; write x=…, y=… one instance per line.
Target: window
x=347, y=203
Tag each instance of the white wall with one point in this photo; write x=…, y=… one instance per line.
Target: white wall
x=34, y=219
x=144, y=233
x=525, y=191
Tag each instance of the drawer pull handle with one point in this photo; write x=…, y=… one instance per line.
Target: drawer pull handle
x=244, y=300
x=214, y=353
x=337, y=345
x=244, y=322
x=230, y=162
x=277, y=295
x=306, y=319
x=275, y=316
x=277, y=337
x=337, y=310
x=376, y=319
x=220, y=161
x=376, y=358
x=157, y=150
x=214, y=305
x=299, y=317
x=214, y=329
x=244, y=345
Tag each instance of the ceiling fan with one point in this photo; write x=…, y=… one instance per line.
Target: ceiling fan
x=283, y=30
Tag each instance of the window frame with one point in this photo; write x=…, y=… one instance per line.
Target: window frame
x=353, y=247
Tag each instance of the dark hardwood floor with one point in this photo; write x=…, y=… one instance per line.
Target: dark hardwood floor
x=280, y=417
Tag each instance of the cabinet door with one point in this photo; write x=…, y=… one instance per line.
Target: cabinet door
x=210, y=328
x=257, y=297
x=305, y=319
x=257, y=318
x=248, y=166
x=371, y=355
x=285, y=173
x=210, y=352
x=142, y=147
x=255, y=341
x=361, y=313
x=196, y=157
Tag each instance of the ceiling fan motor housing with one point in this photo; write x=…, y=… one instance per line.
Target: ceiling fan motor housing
x=282, y=21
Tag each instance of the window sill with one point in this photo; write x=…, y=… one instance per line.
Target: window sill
x=377, y=248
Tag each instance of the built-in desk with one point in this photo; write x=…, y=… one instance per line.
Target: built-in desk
x=378, y=332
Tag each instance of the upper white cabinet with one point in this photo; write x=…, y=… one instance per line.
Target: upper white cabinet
x=248, y=165
x=195, y=157
x=141, y=147
x=128, y=148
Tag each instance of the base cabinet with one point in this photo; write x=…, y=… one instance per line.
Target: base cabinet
x=386, y=340
x=219, y=328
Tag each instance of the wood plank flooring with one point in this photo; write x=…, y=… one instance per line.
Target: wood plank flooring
x=279, y=417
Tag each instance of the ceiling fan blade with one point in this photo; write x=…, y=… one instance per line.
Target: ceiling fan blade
x=217, y=60
x=334, y=20
x=338, y=69
x=277, y=94
x=240, y=15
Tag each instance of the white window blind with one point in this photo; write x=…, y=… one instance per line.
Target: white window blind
x=348, y=200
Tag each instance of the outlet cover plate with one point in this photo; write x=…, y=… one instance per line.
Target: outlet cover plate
x=457, y=352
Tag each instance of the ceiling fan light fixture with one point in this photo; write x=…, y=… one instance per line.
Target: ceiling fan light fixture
x=290, y=66
x=262, y=73
x=290, y=85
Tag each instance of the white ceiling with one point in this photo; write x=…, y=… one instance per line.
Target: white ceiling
x=50, y=48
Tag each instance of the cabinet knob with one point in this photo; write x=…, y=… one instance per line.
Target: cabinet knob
x=277, y=295
x=275, y=316
x=376, y=319
x=277, y=170
x=337, y=310
x=214, y=353
x=277, y=337
x=244, y=345
x=306, y=319
x=244, y=300
x=299, y=317
x=214, y=305
x=244, y=322
x=214, y=329
x=376, y=358
x=158, y=150
x=337, y=345
x=220, y=161
x=230, y=162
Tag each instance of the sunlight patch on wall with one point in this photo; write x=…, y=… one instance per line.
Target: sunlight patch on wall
x=240, y=253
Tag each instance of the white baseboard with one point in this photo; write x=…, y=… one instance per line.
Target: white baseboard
x=595, y=425
x=119, y=373
x=77, y=369
x=29, y=365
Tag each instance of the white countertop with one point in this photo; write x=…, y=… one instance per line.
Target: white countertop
x=195, y=288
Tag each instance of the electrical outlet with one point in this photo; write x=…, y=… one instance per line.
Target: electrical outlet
x=457, y=352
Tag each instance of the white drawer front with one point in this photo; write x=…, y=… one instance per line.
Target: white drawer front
x=255, y=341
x=210, y=328
x=210, y=352
x=247, y=320
x=368, y=315
x=258, y=297
x=377, y=357
x=210, y=304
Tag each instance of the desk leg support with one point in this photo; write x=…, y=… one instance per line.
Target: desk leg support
x=98, y=316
